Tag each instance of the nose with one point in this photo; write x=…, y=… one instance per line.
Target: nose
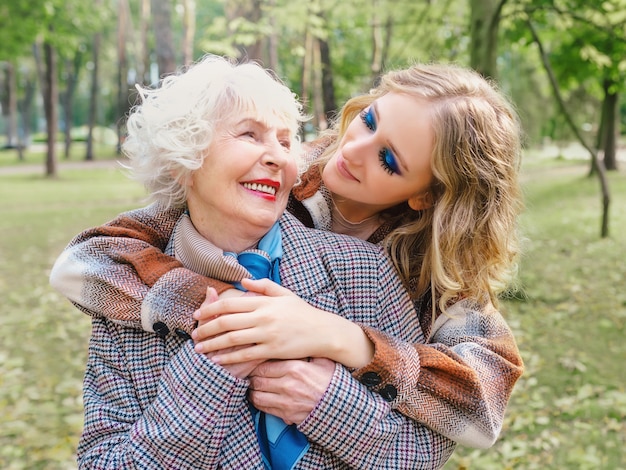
x=355, y=148
x=275, y=153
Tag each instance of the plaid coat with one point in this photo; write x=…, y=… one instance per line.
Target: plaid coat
x=152, y=402
x=458, y=382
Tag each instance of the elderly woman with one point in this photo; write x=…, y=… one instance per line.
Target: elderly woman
x=215, y=146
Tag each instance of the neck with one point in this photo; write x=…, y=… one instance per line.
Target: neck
x=353, y=212
x=362, y=225
x=228, y=237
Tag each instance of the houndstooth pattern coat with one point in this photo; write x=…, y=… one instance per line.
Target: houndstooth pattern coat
x=153, y=402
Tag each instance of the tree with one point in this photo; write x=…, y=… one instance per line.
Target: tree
x=71, y=75
x=93, y=95
x=46, y=59
x=189, y=30
x=162, y=25
x=484, y=25
x=606, y=197
x=18, y=30
x=9, y=106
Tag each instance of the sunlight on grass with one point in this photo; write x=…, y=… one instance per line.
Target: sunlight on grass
x=569, y=409
x=567, y=412
x=44, y=345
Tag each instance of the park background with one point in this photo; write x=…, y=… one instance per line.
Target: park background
x=67, y=75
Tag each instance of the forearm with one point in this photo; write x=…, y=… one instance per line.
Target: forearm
x=118, y=271
x=460, y=383
x=177, y=419
x=361, y=429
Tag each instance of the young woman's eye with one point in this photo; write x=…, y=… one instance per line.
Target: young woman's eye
x=388, y=161
x=367, y=116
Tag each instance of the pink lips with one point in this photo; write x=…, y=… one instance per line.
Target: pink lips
x=343, y=170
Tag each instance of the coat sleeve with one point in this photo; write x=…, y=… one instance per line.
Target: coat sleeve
x=139, y=416
x=360, y=428
x=458, y=383
x=119, y=271
x=356, y=420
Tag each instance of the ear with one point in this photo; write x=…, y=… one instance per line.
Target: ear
x=420, y=201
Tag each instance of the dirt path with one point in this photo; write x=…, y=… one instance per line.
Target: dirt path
x=40, y=167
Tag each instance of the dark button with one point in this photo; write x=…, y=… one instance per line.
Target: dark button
x=388, y=392
x=182, y=334
x=370, y=379
x=161, y=329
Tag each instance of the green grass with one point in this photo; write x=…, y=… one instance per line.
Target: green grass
x=44, y=339
x=569, y=409
x=567, y=412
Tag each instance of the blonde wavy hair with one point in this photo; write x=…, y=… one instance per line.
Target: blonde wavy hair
x=171, y=128
x=465, y=246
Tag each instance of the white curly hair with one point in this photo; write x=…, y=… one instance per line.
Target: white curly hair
x=171, y=128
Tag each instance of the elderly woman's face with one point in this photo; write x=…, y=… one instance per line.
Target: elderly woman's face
x=243, y=186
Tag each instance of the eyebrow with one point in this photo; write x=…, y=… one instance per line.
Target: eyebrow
x=393, y=149
x=262, y=123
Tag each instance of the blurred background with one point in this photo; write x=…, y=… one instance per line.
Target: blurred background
x=67, y=75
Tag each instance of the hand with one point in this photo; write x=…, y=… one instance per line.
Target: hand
x=277, y=324
x=240, y=370
x=290, y=389
x=212, y=296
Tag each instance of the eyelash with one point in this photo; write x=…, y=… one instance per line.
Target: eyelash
x=285, y=143
x=386, y=158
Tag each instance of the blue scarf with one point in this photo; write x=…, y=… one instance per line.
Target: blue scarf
x=282, y=446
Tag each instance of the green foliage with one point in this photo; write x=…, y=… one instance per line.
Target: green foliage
x=586, y=44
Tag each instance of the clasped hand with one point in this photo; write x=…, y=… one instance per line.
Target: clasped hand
x=246, y=334
x=273, y=324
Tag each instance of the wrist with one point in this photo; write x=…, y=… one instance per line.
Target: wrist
x=353, y=347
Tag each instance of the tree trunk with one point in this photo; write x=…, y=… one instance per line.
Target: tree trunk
x=143, y=61
x=122, y=71
x=317, y=93
x=328, y=84
x=72, y=71
x=162, y=24
x=189, y=30
x=305, y=84
x=93, y=96
x=10, y=110
x=251, y=11
x=484, y=25
x=610, y=128
x=272, y=46
x=376, y=65
x=50, y=99
x=599, y=164
x=26, y=112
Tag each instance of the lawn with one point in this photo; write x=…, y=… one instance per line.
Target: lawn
x=568, y=411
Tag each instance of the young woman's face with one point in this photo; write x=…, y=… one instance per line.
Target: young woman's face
x=244, y=183
x=385, y=155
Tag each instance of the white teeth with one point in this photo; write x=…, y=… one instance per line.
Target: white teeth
x=260, y=187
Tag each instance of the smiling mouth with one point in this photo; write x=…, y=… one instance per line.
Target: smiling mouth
x=263, y=188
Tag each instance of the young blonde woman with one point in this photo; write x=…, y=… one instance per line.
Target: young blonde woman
x=426, y=165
